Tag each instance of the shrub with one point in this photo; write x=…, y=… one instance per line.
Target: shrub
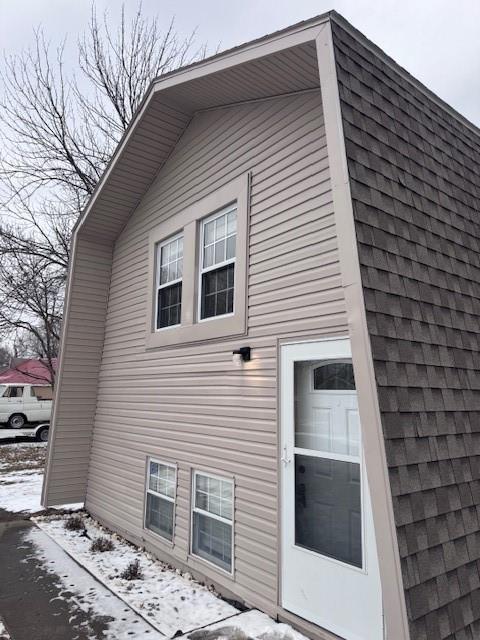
x=74, y=523
x=132, y=571
x=101, y=544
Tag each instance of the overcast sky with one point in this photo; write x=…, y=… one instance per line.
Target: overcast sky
x=438, y=41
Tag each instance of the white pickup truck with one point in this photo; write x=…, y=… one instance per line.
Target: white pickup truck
x=25, y=403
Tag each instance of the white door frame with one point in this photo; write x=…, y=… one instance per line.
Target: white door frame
x=322, y=349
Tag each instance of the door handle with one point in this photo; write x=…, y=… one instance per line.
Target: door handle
x=285, y=459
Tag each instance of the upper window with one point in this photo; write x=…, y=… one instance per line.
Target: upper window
x=334, y=376
x=217, y=272
x=198, y=265
x=169, y=282
x=160, y=507
x=212, y=522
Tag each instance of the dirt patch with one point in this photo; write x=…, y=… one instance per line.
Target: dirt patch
x=18, y=457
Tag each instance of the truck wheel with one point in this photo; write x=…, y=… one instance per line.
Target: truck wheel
x=42, y=434
x=16, y=421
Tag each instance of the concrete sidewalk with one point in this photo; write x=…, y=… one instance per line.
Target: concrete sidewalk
x=36, y=602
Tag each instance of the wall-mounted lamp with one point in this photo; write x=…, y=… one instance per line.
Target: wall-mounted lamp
x=241, y=355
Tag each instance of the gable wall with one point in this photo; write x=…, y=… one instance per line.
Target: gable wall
x=76, y=391
x=415, y=184
x=190, y=404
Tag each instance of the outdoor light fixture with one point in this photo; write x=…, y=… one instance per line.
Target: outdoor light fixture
x=241, y=355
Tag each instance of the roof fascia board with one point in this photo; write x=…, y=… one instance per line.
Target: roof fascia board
x=394, y=66
x=113, y=161
x=386, y=534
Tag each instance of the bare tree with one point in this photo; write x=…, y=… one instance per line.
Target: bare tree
x=59, y=129
x=5, y=357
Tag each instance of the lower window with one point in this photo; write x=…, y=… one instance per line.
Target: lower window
x=160, y=498
x=212, y=520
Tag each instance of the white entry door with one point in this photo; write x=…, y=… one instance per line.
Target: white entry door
x=330, y=572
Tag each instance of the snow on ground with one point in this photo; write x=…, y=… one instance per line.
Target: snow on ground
x=172, y=602
x=246, y=626
x=21, y=477
x=20, y=491
x=81, y=591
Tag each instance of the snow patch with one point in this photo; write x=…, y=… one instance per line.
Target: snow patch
x=20, y=491
x=81, y=591
x=172, y=602
x=4, y=635
x=246, y=626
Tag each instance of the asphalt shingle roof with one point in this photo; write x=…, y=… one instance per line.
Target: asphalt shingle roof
x=415, y=183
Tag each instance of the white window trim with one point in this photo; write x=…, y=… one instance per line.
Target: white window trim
x=158, y=286
x=194, y=509
x=160, y=495
x=232, y=206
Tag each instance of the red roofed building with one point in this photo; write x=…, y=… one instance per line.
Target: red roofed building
x=27, y=371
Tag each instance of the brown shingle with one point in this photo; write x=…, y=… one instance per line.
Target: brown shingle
x=415, y=183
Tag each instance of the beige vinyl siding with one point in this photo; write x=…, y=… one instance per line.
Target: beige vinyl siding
x=75, y=395
x=190, y=404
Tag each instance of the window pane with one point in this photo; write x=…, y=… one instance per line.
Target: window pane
x=162, y=479
x=165, y=255
x=232, y=223
x=212, y=540
x=231, y=242
x=202, y=482
x=219, y=239
x=336, y=376
x=14, y=392
x=164, y=275
x=169, y=306
x=159, y=516
x=209, y=233
x=321, y=424
x=328, y=508
x=208, y=256
x=214, y=495
x=171, y=261
x=220, y=228
x=220, y=251
x=217, y=291
x=42, y=393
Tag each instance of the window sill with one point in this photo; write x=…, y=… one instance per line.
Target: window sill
x=210, y=329
x=194, y=559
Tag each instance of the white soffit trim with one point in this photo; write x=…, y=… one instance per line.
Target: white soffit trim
x=385, y=530
x=245, y=53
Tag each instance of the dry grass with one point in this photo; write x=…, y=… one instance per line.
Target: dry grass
x=18, y=457
x=101, y=544
x=132, y=571
x=74, y=523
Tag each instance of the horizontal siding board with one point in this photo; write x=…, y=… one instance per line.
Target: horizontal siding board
x=189, y=404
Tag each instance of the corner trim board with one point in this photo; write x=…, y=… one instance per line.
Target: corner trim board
x=396, y=620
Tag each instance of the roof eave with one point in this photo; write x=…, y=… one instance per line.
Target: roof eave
x=292, y=36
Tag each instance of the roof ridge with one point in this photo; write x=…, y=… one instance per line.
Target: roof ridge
x=418, y=84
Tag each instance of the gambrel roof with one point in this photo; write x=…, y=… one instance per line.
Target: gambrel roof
x=415, y=185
